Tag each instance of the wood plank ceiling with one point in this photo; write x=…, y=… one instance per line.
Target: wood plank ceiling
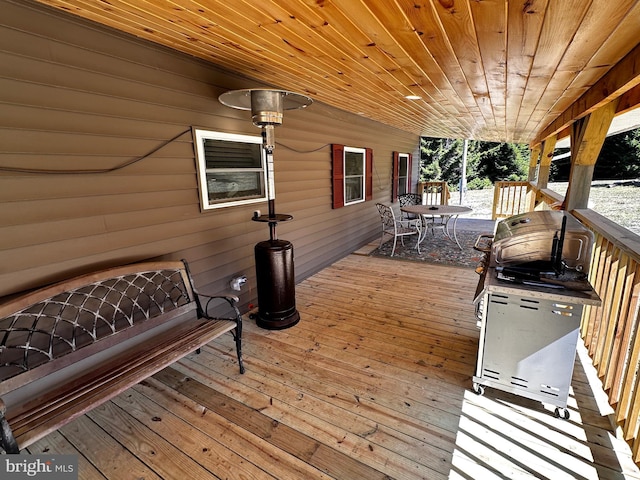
x=497, y=70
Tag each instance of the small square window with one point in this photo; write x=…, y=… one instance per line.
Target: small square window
x=231, y=169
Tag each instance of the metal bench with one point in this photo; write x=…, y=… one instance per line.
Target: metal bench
x=70, y=347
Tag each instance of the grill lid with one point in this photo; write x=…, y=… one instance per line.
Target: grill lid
x=533, y=238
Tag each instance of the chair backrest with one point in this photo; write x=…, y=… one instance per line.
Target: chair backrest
x=386, y=215
x=410, y=199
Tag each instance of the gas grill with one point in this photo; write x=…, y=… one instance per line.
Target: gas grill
x=529, y=300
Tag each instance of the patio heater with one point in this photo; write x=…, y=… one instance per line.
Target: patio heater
x=274, y=257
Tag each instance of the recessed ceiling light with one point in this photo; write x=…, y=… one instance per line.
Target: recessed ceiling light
x=413, y=97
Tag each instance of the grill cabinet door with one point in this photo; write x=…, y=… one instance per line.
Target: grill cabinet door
x=530, y=346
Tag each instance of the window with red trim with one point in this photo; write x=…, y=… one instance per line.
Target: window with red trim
x=352, y=175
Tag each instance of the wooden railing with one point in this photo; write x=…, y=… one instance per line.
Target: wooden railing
x=434, y=193
x=511, y=198
x=546, y=199
x=610, y=332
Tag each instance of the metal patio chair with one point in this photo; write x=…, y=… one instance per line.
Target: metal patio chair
x=397, y=228
x=409, y=199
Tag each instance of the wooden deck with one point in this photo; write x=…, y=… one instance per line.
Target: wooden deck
x=373, y=383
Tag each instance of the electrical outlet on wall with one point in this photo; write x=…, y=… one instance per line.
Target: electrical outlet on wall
x=236, y=283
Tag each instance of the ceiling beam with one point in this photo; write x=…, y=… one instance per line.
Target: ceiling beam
x=623, y=80
x=587, y=137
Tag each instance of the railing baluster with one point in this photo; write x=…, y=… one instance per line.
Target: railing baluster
x=611, y=339
x=613, y=381
x=607, y=288
x=595, y=277
x=629, y=380
x=600, y=286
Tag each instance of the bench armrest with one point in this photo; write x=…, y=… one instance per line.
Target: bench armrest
x=232, y=300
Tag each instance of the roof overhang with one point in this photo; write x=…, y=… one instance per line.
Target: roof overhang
x=495, y=70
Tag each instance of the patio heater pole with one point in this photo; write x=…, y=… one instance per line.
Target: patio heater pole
x=274, y=258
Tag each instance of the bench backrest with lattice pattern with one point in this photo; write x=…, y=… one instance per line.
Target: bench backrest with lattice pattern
x=57, y=325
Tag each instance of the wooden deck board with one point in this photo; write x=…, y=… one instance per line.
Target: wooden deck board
x=373, y=383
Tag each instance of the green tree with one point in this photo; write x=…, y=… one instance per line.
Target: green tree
x=619, y=159
x=439, y=158
x=500, y=161
x=486, y=162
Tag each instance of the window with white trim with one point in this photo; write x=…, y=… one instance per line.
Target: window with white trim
x=403, y=173
x=354, y=175
x=231, y=169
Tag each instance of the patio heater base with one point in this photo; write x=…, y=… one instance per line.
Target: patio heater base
x=276, y=285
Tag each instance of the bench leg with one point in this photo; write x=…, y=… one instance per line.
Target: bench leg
x=237, y=335
x=236, y=332
x=9, y=443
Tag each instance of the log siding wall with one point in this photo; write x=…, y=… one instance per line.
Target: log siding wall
x=76, y=96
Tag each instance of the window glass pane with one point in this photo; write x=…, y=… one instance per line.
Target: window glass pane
x=353, y=189
x=403, y=167
x=403, y=174
x=226, y=154
x=402, y=185
x=353, y=163
x=230, y=186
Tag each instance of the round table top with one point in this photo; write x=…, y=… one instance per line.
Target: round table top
x=436, y=209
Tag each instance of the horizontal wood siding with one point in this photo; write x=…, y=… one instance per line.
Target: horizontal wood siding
x=77, y=96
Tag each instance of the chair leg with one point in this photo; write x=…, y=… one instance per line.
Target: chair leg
x=382, y=238
x=394, y=245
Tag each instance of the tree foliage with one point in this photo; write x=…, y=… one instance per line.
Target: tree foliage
x=619, y=159
x=487, y=162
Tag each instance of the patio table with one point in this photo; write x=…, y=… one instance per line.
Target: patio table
x=446, y=212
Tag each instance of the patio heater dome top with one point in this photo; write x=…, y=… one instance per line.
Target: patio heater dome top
x=266, y=104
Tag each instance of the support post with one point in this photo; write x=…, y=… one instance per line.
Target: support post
x=548, y=147
x=587, y=136
x=533, y=163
